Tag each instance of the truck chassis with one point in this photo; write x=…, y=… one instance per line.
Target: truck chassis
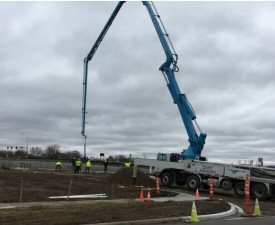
x=196, y=174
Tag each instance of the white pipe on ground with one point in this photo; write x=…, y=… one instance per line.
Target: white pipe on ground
x=79, y=196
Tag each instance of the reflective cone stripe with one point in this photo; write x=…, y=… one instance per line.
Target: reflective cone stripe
x=246, y=185
x=257, y=211
x=247, y=197
x=211, y=195
x=148, y=196
x=158, y=190
x=157, y=185
x=194, y=216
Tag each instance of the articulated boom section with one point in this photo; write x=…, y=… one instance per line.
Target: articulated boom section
x=89, y=58
x=186, y=111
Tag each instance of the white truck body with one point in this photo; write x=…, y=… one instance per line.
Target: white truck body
x=195, y=173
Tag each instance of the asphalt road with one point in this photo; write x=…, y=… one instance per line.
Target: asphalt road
x=237, y=221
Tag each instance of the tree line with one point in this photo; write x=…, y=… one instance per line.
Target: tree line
x=53, y=152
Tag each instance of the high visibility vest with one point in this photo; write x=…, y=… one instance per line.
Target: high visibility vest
x=78, y=163
x=88, y=164
x=127, y=164
x=58, y=164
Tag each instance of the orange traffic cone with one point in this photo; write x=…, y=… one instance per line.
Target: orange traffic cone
x=141, y=195
x=148, y=196
x=211, y=194
x=197, y=193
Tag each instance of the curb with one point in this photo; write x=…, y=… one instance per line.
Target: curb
x=4, y=206
x=230, y=212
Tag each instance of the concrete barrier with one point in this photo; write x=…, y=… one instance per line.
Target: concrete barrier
x=97, y=166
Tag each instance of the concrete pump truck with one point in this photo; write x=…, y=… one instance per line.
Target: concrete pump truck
x=188, y=167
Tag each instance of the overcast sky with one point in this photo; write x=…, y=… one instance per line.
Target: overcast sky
x=227, y=69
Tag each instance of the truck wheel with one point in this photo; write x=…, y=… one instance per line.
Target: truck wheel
x=166, y=179
x=259, y=191
x=193, y=182
x=239, y=189
x=226, y=184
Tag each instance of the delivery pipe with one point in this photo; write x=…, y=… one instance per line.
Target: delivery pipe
x=79, y=196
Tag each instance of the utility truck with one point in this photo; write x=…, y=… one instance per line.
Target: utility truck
x=195, y=174
x=187, y=167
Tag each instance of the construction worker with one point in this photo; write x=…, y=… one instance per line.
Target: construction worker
x=78, y=164
x=88, y=166
x=127, y=164
x=105, y=165
x=73, y=164
x=58, y=166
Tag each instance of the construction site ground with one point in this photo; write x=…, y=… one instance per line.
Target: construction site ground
x=37, y=186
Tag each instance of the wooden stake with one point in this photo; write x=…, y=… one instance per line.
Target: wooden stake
x=69, y=189
x=113, y=190
x=21, y=191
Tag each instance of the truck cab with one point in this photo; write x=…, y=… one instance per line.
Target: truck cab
x=173, y=157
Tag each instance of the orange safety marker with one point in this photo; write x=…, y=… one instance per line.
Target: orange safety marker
x=211, y=194
x=141, y=195
x=247, y=197
x=197, y=193
x=148, y=196
x=157, y=185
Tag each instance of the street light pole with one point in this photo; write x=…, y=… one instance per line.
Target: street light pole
x=27, y=144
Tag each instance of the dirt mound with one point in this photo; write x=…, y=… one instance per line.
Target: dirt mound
x=125, y=177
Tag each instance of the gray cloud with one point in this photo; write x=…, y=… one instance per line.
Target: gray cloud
x=226, y=59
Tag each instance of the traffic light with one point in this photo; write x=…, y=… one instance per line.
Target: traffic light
x=8, y=147
x=16, y=147
x=11, y=147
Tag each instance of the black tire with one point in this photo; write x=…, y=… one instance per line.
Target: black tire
x=239, y=189
x=166, y=179
x=259, y=191
x=226, y=184
x=193, y=182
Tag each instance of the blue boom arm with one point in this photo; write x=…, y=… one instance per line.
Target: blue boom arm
x=187, y=113
x=89, y=58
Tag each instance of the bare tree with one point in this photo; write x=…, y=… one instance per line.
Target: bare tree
x=20, y=154
x=5, y=153
x=36, y=151
x=71, y=154
x=76, y=154
x=53, y=151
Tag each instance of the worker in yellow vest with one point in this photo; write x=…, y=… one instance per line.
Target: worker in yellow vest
x=127, y=164
x=88, y=166
x=78, y=164
x=58, y=166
